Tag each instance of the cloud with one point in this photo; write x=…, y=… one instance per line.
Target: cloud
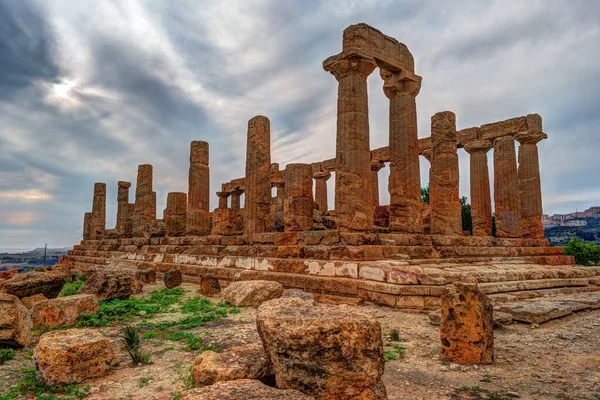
x=89, y=91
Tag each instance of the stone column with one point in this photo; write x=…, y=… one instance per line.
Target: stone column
x=145, y=200
x=87, y=226
x=530, y=188
x=375, y=167
x=175, y=215
x=198, y=215
x=354, y=209
x=223, y=196
x=298, y=205
x=258, y=175
x=506, y=188
x=402, y=88
x=124, y=209
x=98, y=221
x=321, y=179
x=481, y=201
x=235, y=198
x=446, y=216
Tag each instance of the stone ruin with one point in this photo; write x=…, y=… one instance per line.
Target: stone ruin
x=401, y=255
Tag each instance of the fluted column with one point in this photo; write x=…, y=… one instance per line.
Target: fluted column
x=530, y=188
x=258, y=175
x=87, y=226
x=124, y=209
x=446, y=216
x=481, y=202
x=375, y=167
x=145, y=200
x=402, y=87
x=506, y=188
x=198, y=197
x=321, y=179
x=353, y=153
x=298, y=204
x=175, y=214
x=98, y=220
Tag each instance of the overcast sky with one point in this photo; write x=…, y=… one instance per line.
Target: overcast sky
x=90, y=89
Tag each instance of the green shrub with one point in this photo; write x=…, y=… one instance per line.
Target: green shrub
x=132, y=344
x=71, y=288
x=31, y=388
x=6, y=355
x=585, y=253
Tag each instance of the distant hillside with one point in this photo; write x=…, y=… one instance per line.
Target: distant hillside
x=30, y=259
x=560, y=235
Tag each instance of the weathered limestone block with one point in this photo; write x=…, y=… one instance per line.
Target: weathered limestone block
x=98, y=219
x=198, y=215
x=72, y=356
x=443, y=185
x=209, y=286
x=247, y=389
x=321, y=179
x=112, y=282
x=145, y=200
x=297, y=293
x=353, y=153
x=298, y=204
x=30, y=283
x=87, y=226
x=175, y=218
x=251, y=293
x=30, y=301
x=258, y=175
x=146, y=275
x=15, y=322
x=506, y=188
x=530, y=189
x=173, y=278
x=402, y=87
x=124, y=210
x=481, y=201
x=63, y=310
x=328, y=352
x=466, y=331
x=240, y=362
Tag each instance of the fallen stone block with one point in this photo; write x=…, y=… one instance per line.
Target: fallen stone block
x=146, y=275
x=243, y=389
x=29, y=302
x=209, y=286
x=72, y=356
x=112, y=283
x=539, y=311
x=500, y=318
x=63, y=310
x=328, y=352
x=300, y=294
x=30, y=283
x=241, y=362
x=172, y=278
x=252, y=293
x=466, y=330
x=15, y=322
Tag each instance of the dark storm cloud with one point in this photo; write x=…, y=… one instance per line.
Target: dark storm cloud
x=90, y=90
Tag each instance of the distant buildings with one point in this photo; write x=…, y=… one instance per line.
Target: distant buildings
x=572, y=219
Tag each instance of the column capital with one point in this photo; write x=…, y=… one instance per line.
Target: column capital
x=322, y=175
x=478, y=146
x=124, y=184
x=377, y=165
x=223, y=195
x=530, y=137
x=427, y=154
x=350, y=65
x=400, y=82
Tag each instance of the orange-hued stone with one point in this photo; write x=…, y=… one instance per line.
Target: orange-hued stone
x=258, y=175
x=15, y=322
x=481, y=202
x=98, y=217
x=198, y=215
x=298, y=203
x=506, y=188
x=145, y=200
x=63, y=310
x=466, y=331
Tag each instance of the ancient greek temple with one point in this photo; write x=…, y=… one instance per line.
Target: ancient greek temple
x=400, y=255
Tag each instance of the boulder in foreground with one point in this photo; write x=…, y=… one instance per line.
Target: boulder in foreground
x=252, y=293
x=63, y=310
x=112, y=283
x=328, y=352
x=243, y=389
x=466, y=331
x=15, y=322
x=240, y=362
x=72, y=356
x=31, y=283
x=30, y=301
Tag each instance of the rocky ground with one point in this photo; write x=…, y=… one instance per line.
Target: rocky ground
x=557, y=360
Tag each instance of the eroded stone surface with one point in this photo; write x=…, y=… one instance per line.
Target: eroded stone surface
x=63, y=310
x=466, y=331
x=30, y=283
x=173, y=278
x=252, y=293
x=15, y=322
x=243, y=389
x=328, y=352
x=112, y=282
x=72, y=356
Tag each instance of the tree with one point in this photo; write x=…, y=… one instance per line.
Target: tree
x=425, y=194
x=465, y=212
x=587, y=254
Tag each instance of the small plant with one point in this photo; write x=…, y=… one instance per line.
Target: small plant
x=149, y=335
x=71, y=287
x=487, y=377
x=389, y=355
x=395, y=335
x=6, y=355
x=144, y=381
x=169, y=348
x=132, y=344
x=560, y=336
x=400, y=350
x=31, y=388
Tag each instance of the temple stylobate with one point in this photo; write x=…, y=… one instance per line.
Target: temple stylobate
x=401, y=254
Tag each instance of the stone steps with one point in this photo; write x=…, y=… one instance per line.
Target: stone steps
x=509, y=297
x=536, y=311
